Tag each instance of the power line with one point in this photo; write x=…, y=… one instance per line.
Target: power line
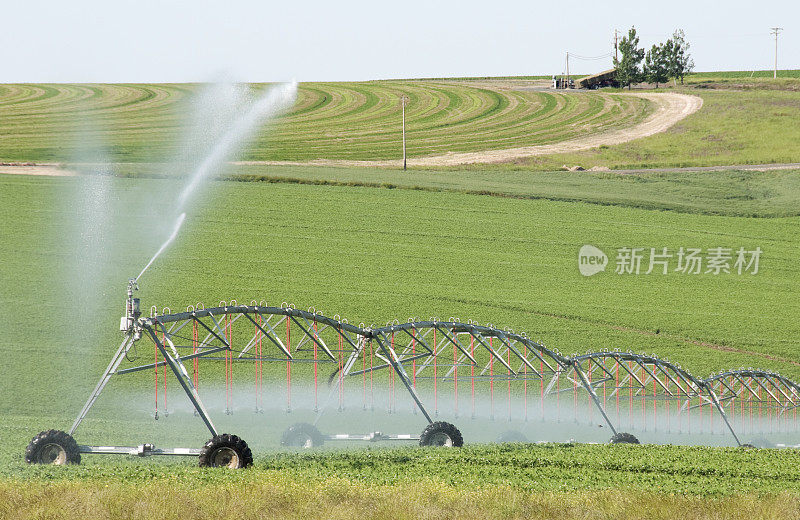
x=601, y=57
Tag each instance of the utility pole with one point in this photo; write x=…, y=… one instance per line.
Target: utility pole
x=403, y=102
x=616, y=57
x=567, y=86
x=775, y=31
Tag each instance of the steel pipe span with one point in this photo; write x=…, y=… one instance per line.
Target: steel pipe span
x=452, y=368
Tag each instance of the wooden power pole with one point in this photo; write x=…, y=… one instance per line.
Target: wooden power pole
x=616, y=36
x=775, y=31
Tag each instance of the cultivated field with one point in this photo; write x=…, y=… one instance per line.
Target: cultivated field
x=341, y=121
x=360, y=121
x=524, y=481
x=352, y=250
x=493, y=244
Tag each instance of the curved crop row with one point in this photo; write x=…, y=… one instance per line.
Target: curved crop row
x=351, y=121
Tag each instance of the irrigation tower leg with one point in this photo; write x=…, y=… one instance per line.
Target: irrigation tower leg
x=183, y=378
x=723, y=414
x=398, y=368
x=122, y=351
x=340, y=380
x=590, y=389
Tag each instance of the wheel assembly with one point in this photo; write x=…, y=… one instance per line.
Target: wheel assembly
x=441, y=434
x=53, y=447
x=624, y=438
x=302, y=435
x=225, y=450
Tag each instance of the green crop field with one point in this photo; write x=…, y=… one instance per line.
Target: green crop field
x=733, y=127
x=738, y=74
x=521, y=481
x=495, y=245
x=774, y=193
x=358, y=121
x=483, y=257
x=374, y=254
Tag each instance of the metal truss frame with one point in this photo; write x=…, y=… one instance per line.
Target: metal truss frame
x=411, y=351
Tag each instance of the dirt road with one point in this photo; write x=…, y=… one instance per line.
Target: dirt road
x=671, y=108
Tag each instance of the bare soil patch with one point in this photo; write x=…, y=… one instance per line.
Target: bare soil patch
x=50, y=169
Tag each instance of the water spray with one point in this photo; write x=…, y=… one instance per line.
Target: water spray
x=128, y=322
x=276, y=99
x=178, y=224
x=273, y=102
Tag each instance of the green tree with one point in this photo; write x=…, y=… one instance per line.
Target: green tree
x=657, y=63
x=628, y=66
x=680, y=61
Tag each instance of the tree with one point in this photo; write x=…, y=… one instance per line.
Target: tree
x=657, y=63
x=680, y=61
x=628, y=70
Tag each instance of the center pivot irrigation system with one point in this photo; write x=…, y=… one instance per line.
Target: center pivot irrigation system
x=446, y=367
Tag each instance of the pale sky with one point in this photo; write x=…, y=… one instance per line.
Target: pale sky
x=172, y=41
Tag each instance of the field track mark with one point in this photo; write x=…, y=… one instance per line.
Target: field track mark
x=671, y=108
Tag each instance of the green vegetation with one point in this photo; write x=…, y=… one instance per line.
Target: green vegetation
x=663, y=61
x=535, y=468
x=495, y=245
x=358, y=121
x=629, y=71
x=753, y=80
x=355, y=249
x=749, y=127
x=530, y=481
x=276, y=496
x=740, y=74
x=353, y=121
x=772, y=193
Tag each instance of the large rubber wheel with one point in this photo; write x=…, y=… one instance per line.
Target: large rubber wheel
x=441, y=434
x=53, y=447
x=302, y=435
x=512, y=436
x=624, y=438
x=225, y=451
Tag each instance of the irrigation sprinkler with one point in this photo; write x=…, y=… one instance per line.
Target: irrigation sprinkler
x=448, y=369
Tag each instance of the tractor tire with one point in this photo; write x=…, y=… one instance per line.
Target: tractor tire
x=225, y=450
x=53, y=447
x=512, y=436
x=624, y=438
x=302, y=435
x=441, y=434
